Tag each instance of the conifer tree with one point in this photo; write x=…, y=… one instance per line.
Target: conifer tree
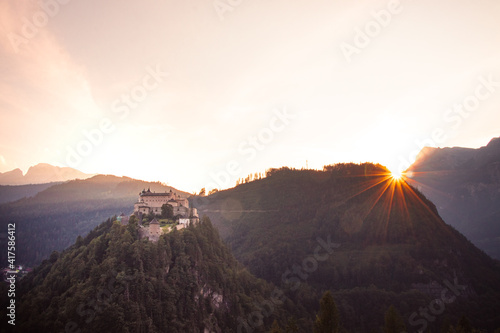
x=291, y=326
x=445, y=326
x=275, y=328
x=393, y=321
x=327, y=320
x=464, y=326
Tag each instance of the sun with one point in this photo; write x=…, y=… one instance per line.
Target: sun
x=396, y=175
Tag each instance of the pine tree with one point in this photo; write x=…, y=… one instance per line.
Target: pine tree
x=464, y=326
x=393, y=321
x=327, y=320
x=445, y=326
x=291, y=326
x=275, y=328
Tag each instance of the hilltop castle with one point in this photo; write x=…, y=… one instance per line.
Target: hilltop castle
x=151, y=202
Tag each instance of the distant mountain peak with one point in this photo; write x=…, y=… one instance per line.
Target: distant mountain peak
x=495, y=143
x=44, y=165
x=465, y=185
x=17, y=172
x=41, y=173
x=454, y=158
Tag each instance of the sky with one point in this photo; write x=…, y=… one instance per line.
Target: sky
x=199, y=93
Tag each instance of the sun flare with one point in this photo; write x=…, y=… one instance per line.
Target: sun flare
x=396, y=175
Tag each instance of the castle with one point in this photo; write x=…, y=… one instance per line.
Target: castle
x=151, y=202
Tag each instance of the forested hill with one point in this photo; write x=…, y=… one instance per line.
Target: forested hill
x=10, y=193
x=53, y=218
x=110, y=281
x=393, y=248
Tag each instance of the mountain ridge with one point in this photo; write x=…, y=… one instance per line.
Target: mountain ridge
x=456, y=158
x=11, y=193
x=40, y=174
x=464, y=184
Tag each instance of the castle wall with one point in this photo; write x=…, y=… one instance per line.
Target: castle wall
x=181, y=210
x=183, y=202
x=154, y=232
x=150, y=202
x=155, y=201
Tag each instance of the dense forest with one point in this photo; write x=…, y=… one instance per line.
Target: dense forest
x=391, y=246
x=10, y=193
x=111, y=281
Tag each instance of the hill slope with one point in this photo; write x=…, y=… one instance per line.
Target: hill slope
x=52, y=219
x=465, y=186
x=392, y=245
x=110, y=281
x=10, y=193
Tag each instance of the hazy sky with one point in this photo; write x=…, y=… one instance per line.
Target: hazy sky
x=251, y=84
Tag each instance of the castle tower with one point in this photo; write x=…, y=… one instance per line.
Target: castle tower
x=154, y=230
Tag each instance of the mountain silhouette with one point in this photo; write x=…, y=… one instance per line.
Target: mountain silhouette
x=40, y=174
x=464, y=184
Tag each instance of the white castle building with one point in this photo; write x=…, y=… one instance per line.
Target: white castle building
x=151, y=202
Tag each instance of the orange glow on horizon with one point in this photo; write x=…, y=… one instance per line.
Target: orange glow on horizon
x=396, y=175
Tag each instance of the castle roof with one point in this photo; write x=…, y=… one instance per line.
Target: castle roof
x=154, y=194
x=155, y=221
